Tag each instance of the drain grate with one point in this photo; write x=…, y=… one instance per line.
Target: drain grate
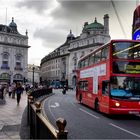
x=11, y=128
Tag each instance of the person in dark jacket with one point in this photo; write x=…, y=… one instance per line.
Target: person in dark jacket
x=18, y=91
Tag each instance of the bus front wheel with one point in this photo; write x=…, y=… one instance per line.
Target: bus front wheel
x=97, y=106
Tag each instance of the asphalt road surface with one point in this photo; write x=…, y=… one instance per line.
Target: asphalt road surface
x=85, y=123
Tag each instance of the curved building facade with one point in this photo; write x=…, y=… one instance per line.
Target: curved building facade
x=62, y=63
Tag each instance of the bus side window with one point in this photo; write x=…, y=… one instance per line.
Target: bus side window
x=105, y=52
x=83, y=85
x=105, y=87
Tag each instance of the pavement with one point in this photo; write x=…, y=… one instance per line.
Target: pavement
x=10, y=117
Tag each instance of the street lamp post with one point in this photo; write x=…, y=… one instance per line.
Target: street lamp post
x=11, y=77
x=33, y=75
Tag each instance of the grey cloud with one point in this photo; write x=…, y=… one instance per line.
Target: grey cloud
x=38, y=5
x=77, y=10
x=51, y=36
x=70, y=15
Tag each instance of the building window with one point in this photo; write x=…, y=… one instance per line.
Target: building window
x=5, y=58
x=18, y=77
x=5, y=39
x=4, y=76
x=93, y=40
x=18, y=62
x=82, y=54
x=18, y=58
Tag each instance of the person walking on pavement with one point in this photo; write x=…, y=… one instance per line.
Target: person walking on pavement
x=64, y=90
x=13, y=90
x=18, y=92
x=2, y=92
x=10, y=90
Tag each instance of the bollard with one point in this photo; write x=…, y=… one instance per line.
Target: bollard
x=38, y=106
x=31, y=99
x=61, y=132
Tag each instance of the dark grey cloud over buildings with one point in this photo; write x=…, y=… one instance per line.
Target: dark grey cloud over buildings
x=38, y=5
x=52, y=19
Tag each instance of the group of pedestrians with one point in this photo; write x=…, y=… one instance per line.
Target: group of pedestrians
x=13, y=90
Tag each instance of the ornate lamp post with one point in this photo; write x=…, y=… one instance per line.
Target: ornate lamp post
x=11, y=77
x=33, y=74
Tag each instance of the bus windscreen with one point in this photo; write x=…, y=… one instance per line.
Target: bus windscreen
x=126, y=50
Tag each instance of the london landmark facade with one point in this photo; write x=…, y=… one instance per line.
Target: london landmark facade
x=61, y=64
x=13, y=54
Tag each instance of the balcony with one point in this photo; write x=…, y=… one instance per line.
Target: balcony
x=18, y=68
x=5, y=67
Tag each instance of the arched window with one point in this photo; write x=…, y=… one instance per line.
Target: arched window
x=18, y=77
x=5, y=60
x=4, y=76
x=18, y=58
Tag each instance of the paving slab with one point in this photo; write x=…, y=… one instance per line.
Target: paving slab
x=10, y=117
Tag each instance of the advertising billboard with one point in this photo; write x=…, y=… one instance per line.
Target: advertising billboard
x=136, y=24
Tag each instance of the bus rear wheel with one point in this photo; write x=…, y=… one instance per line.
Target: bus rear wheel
x=97, y=106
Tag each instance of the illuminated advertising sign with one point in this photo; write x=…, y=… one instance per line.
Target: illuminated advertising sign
x=133, y=69
x=136, y=24
x=136, y=20
x=136, y=35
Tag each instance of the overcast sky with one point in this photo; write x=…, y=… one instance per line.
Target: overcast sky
x=49, y=21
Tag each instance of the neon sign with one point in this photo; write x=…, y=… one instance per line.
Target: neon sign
x=136, y=35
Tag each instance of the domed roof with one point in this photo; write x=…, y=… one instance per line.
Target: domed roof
x=94, y=25
x=70, y=35
x=13, y=24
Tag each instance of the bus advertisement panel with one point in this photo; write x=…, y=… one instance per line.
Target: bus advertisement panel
x=109, y=78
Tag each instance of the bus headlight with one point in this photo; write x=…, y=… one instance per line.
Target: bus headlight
x=117, y=104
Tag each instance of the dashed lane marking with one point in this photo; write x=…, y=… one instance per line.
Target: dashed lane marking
x=127, y=131
x=89, y=113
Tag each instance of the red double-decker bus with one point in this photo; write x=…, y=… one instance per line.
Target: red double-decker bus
x=109, y=78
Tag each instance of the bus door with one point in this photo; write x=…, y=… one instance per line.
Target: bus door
x=104, y=104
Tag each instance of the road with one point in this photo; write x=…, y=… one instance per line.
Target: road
x=85, y=123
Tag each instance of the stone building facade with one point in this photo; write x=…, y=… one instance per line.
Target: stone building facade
x=93, y=35
x=55, y=66
x=33, y=70
x=13, y=54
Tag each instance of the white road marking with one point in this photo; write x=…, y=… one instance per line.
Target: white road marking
x=89, y=113
x=51, y=111
x=55, y=105
x=124, y=130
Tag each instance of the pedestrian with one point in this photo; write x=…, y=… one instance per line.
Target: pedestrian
x=5, y=91
x=18, y=92
x=64, y=90
x=10, y=90
x=2, y=92
x=13, y=90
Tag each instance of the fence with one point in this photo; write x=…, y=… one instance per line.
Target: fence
x=40, y=127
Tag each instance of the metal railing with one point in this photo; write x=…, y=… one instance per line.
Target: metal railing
x=40, y=127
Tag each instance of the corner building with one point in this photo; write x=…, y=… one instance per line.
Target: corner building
x=67, y=56
x=13, y=54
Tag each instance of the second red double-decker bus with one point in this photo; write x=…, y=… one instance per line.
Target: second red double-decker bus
x=109, y=78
